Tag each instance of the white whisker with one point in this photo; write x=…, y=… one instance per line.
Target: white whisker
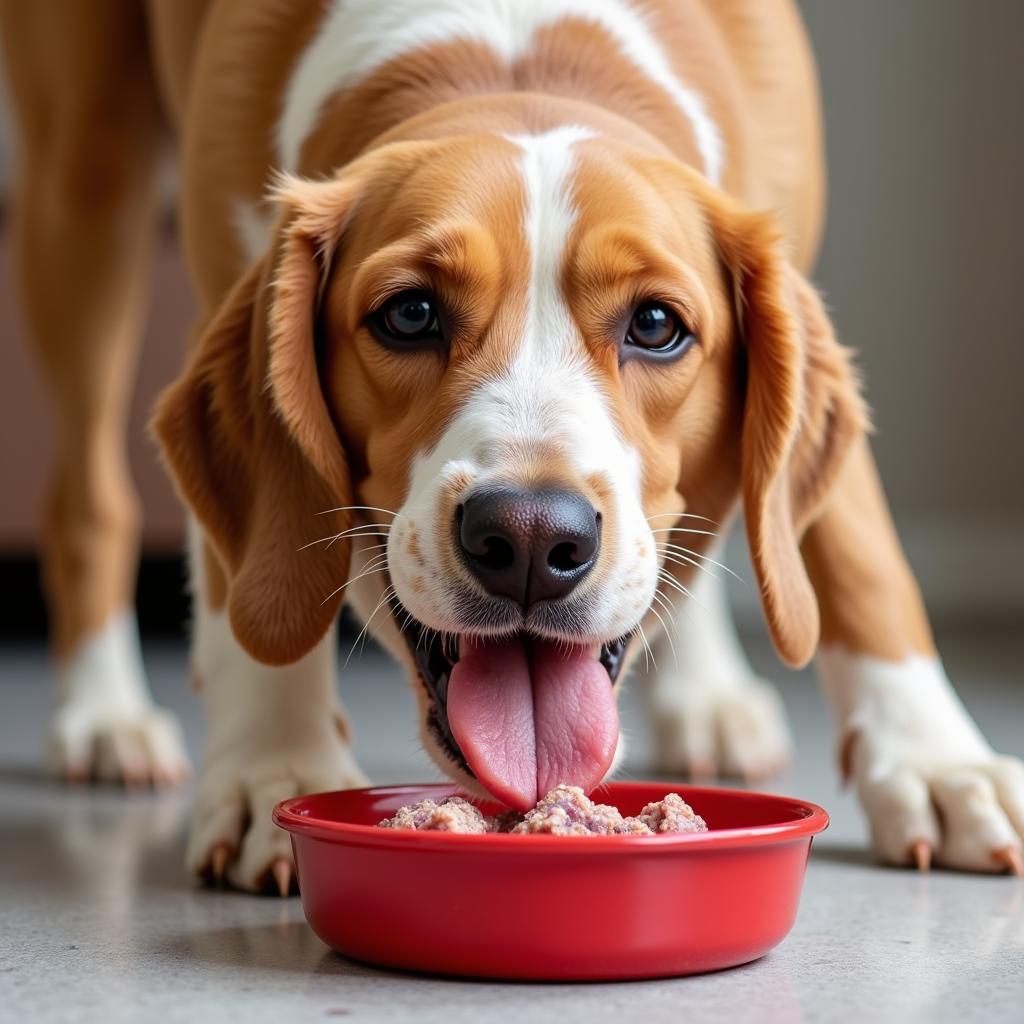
x=367, y=571
x=647, y=647
x=385, y=597
x=421, y=640
x=668, y=635
x=676, y=585
x=354, y=536
x=682, y=515
x=407, y=619
x=670, y=608
x=355, y=531
x=371, y=547
x=683, y=560
x=696, y=554
x=647, y=653
x=685, y=529
x=371, y=533
x=450, y=644
x=359, y=508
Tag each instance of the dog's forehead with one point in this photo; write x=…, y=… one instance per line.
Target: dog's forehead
x=529, y=198
x=548, y=163
x=408, y=189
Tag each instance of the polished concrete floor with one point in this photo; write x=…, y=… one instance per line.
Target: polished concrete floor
x=99, y=922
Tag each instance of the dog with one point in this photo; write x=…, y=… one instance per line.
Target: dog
x=504, y=317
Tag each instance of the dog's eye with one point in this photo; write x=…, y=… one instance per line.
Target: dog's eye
x=407, y=318
x=656, y=329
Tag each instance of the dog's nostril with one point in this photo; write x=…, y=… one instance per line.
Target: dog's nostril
x=498, y=554
x=565, y=557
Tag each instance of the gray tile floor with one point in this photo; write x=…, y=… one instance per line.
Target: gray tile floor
x=99, y=922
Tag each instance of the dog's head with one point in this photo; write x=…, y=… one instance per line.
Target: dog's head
x=532, y=374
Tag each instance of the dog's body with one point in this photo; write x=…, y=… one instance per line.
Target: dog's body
x=553, y=183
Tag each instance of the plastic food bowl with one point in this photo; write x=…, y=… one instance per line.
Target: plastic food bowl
x=552, y=907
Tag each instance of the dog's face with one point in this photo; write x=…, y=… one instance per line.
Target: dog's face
x=513, y=363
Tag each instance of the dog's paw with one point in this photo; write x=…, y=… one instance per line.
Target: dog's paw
x=964, y=816
x=721, y=728
x=105, y=725
x=232, y=837
x=136, y=748
x=932, y=787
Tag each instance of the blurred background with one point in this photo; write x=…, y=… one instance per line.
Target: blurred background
x=919, y=265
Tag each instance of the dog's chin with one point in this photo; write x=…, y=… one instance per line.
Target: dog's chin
x=434, y=655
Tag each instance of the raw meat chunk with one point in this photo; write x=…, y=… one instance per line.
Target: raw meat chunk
x=453, y=814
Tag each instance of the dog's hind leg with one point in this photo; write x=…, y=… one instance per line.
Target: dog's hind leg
x=710, y=714
x=85, y=213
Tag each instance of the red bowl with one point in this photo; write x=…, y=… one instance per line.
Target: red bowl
x=561, y=908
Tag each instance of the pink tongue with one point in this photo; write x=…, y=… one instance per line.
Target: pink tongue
x=525, y=726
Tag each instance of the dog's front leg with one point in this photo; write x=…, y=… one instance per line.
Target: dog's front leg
x=929, y=782
x=710, y=713
x=271, y=733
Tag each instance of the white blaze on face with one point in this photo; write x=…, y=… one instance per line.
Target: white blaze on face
x=356, y=37
x=548, y=396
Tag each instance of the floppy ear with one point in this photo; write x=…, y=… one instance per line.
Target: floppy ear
x=802, y=412
x=250, y=443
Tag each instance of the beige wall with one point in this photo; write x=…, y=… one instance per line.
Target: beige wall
x=922, y=258
x=920, y=265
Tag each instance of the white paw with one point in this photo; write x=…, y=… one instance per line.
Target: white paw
x=138, y=748
x=932, y=787
x=964, y=816
x=704, y=729
x=105, y=725
x=232, y=836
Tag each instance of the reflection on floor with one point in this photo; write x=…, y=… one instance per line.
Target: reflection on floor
x=100, y=923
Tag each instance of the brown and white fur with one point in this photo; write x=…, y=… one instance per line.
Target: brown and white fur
x=543, y=165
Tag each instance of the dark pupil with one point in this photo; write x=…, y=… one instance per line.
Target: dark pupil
x=653, y=326
x=410, y=316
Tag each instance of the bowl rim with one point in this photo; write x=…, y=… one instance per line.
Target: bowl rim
x=809, y=819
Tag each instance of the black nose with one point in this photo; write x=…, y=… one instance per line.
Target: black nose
x=528, y=545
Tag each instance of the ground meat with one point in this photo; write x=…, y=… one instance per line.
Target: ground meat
x=670, y=814
x=453, y=814
x=565, y=811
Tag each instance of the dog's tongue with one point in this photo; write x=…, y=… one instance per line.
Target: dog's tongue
x=528, y=720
